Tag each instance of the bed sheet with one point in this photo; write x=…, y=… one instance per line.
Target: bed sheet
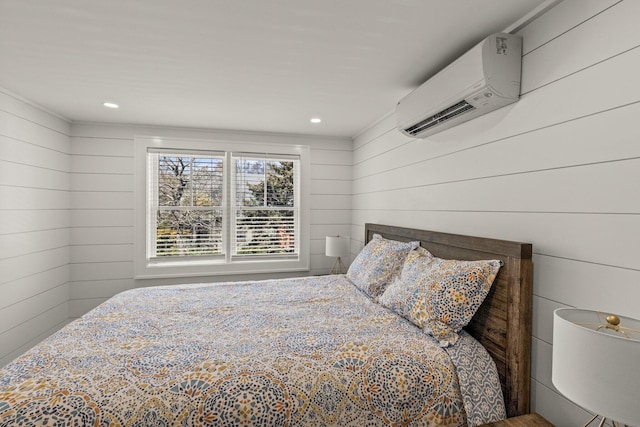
x=308, y=351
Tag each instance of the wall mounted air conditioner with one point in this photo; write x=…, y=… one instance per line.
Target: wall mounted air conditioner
x=484, y=79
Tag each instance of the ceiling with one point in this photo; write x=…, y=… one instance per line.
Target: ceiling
x=256, y=65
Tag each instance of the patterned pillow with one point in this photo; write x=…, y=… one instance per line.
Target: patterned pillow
x=399, y=293
x=449, y=295
x=378, y=263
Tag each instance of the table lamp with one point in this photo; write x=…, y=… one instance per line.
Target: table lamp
x=337, y=246
x=596, y=363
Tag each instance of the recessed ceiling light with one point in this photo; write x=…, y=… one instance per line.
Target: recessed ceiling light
x=111, y=105
x=316, y=120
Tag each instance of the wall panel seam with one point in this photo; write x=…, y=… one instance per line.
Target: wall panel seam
x=110, y=278
x=25, y=347
x=589, y=262
x=103, y=173
x=35, y=123
x=480, y=178
x=33, y=188
x=34, y=252
x=330, y=180
x=34, y=295
x=101, y=262
x=28, y=320
x=98, y=210
x=75, y=282
x=99, y=244
x=34, y=166
x=100, y=227
x=33, y=209
x=34, y=274
x=376, y=137
x=497, y=211
x=100, y=137
x=34, y=231
x=559, y=395
x=580, y=70
x=345, y=150
x=102, y=191
x=571, y=29
x=595, y=113
x=89, y=299
x=101, y=156
x=22, y=141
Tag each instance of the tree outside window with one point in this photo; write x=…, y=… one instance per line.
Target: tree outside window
x=265, y=207
x=189, y=206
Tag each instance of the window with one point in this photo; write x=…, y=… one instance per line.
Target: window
x=206, y=207
x=186, y=204
x=265, y=212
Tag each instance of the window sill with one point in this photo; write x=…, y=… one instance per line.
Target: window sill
x=195, y=269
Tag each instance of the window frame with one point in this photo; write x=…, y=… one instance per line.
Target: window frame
x=146, y=267
x=152, y=211
x=234, y=208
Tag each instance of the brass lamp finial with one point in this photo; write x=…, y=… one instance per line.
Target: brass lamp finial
x=613, y=324
x=613, y=320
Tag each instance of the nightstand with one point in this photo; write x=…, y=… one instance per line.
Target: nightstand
x=521, y=421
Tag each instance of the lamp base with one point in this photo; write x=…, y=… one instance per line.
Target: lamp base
x=338, y=267
x=615, y=423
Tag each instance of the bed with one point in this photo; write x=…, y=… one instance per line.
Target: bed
x=305, y=351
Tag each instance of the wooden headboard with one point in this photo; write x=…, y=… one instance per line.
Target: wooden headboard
x=503, y=322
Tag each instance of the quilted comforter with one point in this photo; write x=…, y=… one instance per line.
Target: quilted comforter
x=307, y=352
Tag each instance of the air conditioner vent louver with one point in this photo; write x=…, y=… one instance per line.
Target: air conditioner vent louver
x=441, y=117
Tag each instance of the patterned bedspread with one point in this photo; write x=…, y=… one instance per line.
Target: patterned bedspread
x=306, y=352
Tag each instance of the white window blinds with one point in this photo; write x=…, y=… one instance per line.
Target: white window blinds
x=186, y=207
x=265, y=210
x=222, y=205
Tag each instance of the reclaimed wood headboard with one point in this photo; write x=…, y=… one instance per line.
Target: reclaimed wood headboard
x=503, y=322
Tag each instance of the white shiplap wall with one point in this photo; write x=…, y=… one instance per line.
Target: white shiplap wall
x=102, y=202
x=34, y=224
x=559, y=169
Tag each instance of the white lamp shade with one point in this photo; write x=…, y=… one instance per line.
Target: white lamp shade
x=598, y=370
x=337, y=246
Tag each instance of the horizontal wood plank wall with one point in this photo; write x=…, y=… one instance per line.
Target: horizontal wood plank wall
x=102, y=203
x=34, y=225
x=559, y=169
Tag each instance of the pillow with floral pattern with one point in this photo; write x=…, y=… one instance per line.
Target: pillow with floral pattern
x=398, y=294
x=378, y=263
x=448, y=296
